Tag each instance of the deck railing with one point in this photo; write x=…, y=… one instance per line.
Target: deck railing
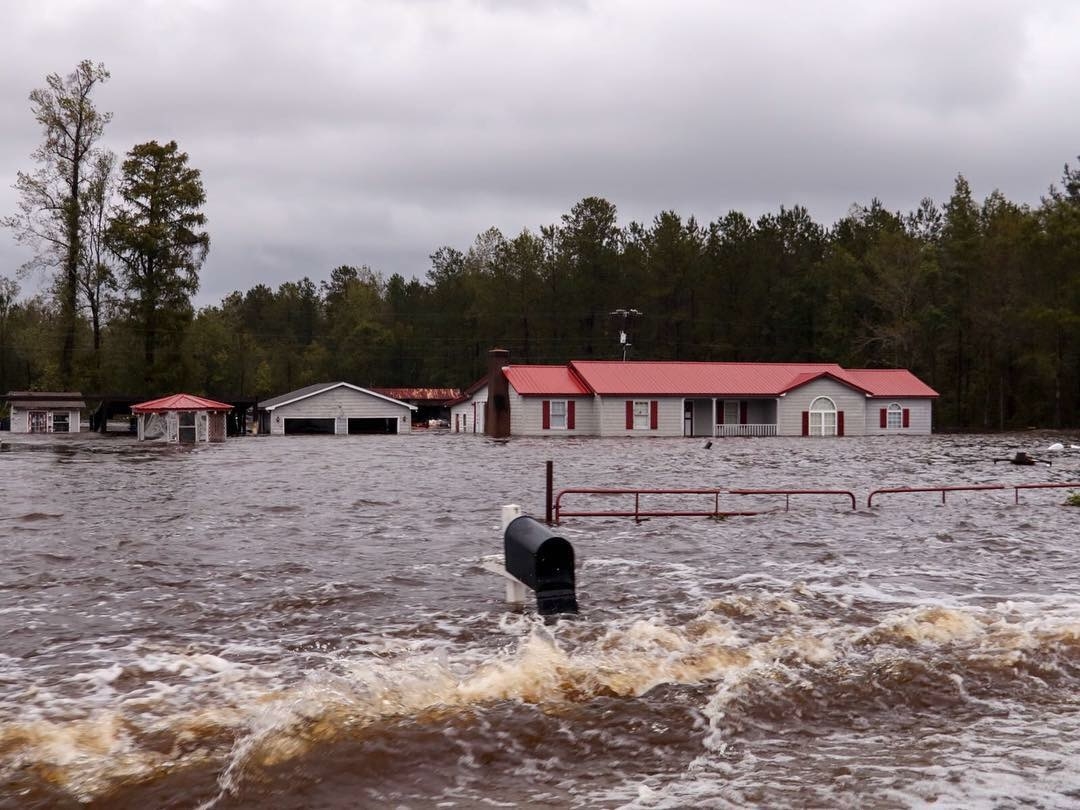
x=745, y=430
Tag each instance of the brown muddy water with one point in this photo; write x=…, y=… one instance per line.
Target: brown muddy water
x=303, y=623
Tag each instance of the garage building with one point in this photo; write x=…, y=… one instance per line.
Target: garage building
x=337, y=409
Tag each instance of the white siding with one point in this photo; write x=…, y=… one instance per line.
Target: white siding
x=20, y=419
x=527, y=416
x=613, y=416
x=920, y=418
x=340, y=404
x=703, y=417
x=473, y=405
x=852, y=402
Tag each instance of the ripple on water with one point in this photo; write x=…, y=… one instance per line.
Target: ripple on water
x=290, y=643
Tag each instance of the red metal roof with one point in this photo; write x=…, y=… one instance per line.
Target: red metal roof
x=545, y=380
x=890, y=382
x=439, y=395
x=676, y=378
x=180, y=402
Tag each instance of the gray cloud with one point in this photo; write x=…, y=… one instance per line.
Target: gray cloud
x=339, y=132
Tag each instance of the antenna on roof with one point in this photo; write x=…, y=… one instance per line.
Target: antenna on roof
x=627, y=316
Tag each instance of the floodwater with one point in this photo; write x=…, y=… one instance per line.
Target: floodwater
x=304, y=623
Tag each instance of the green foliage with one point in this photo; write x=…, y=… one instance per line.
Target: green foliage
x=1073, y=499
x=50, y=216
x=157, y=236
x=980, y=299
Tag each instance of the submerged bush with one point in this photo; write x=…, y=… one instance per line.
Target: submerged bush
x=1073, y=499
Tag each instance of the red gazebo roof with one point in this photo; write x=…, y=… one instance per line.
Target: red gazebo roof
x=180, y=402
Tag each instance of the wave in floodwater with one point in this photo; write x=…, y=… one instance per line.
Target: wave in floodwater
x=327, y=639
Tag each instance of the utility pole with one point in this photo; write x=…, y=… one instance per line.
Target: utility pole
x=627, y=316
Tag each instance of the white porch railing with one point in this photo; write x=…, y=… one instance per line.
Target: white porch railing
x=745, y=430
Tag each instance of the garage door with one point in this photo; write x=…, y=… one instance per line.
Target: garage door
x=295, y=426
x=369, y=426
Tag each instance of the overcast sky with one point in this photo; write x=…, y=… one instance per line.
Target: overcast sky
x=371, y=133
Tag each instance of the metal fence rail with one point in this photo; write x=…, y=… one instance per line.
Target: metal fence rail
x=638, y=513
x=787, y=493
x=942, y=490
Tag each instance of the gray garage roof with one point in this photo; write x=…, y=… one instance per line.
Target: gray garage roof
x=46, y=400
x=318, y=388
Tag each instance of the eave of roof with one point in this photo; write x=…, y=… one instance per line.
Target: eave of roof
x=319, y=388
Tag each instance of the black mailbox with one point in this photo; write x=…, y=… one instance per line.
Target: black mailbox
x=544, y=562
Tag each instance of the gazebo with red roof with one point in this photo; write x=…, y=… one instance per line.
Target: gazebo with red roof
x=183, y=418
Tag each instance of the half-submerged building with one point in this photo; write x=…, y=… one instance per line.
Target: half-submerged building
x=335, y=408
x=182, y=418
x=644, y=398
x=45, y=411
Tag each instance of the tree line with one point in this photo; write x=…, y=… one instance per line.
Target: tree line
x=981, y=299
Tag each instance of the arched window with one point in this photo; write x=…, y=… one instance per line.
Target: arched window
x=822, y=417
x=895, y=418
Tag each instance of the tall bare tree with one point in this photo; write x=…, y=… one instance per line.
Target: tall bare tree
x=96, y=278
x=51, y=197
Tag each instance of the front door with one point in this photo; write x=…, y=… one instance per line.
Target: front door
x=187, y=427
x=731, y=411
x=39, y=421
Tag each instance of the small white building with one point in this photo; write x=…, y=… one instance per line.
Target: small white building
x=182, y=418
x=45, y=411
x=467, y=411
x=336, y=409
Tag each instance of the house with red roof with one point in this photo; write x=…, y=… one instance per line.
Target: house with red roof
x=182, y=418
x=674, y=398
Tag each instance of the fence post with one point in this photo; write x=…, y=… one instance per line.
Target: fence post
x=550, y=486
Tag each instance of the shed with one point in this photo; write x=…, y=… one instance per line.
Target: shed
x=45, y=411
x=334, y=408
x=182, y=418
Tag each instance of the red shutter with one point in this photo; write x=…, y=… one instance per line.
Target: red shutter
x=839, y=423
x=474, y=417
x=744, y=408
x=546, y=414
x=884, y=418
x=629, y=414
x=654, y=414
x=806, y=423
x=720, y=412
x=457, y=419
x=570, y=415
x=907, y=417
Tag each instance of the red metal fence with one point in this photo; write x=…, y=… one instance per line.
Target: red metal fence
x=970, y=488
x=787, y=493
x=638, y=513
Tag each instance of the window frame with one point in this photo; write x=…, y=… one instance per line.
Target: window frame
x=642, y=420
x=895, y=409
x=553, y=418
x=821, y=422
x=65, y=419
